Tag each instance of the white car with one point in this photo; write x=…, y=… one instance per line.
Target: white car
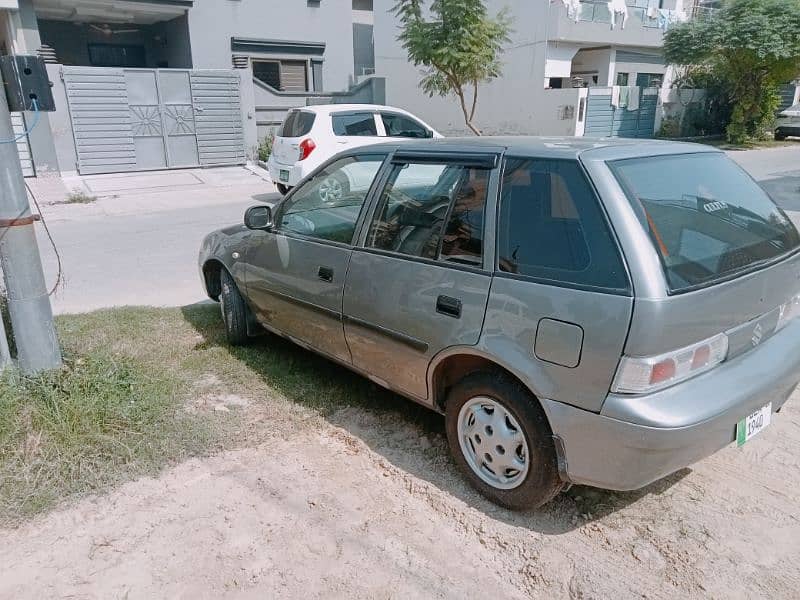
x=788, y=123
x=311, y=135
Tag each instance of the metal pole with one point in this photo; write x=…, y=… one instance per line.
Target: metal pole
x=28, y=302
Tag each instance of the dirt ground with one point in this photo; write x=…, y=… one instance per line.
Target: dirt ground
x=358, y=506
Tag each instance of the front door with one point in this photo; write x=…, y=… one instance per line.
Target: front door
x=419, y=283
x=295, y=274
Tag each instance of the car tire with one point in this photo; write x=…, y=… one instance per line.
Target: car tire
x=234, y=310
x=780, y=137
x=478, y=445
x=282, y=189
x=333, y=188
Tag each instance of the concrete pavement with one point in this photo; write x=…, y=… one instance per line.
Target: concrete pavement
x=137, y=244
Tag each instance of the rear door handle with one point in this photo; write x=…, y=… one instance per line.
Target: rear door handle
x=325, y=273
x=446, y=305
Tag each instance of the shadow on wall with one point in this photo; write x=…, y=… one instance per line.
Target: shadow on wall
x=409, y=436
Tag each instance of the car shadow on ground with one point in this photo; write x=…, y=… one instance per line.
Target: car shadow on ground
x=409, y=436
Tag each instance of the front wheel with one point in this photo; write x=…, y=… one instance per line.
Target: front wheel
x=234, y=310
x=334, y=188
x=282, y=189
x=500, y=437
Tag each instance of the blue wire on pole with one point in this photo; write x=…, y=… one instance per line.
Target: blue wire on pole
x=36, y=114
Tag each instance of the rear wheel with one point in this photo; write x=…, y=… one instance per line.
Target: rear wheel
x=500, y=437
x=234, y=310
x=283, y=189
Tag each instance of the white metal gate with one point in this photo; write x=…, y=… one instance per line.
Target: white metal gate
x=145, y=119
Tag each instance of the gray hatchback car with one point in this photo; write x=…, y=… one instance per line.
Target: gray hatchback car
x=602, y=312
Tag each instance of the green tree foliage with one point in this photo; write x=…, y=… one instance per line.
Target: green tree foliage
x=754, y=45
x=459, y=46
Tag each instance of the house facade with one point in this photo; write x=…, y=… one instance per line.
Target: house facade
x=182, y=82
x=563, y=56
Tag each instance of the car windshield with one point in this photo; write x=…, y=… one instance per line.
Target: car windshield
x=706, y=217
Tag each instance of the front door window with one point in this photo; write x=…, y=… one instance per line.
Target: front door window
x=327, y=206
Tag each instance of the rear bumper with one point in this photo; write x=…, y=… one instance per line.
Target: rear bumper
x=605, y=451
x=297, y=172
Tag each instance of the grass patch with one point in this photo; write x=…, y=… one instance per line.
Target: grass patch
x=723, y=144
x=124, y=404
x=77, y=196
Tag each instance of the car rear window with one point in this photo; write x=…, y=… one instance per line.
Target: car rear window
x=358, y=124
x=297, y=124
x=706, y=217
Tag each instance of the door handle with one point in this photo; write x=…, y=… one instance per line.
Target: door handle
x=325, y=273
x=446, y=305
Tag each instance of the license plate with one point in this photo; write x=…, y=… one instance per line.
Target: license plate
x=284, y=175
x=752, y=425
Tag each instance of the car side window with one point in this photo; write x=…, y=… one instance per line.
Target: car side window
x=419, y=200
x=402, y=126
x=354, y=124
x=552, y=227
x=327, y=206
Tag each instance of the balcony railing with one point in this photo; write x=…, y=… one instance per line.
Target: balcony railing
x=643, y=12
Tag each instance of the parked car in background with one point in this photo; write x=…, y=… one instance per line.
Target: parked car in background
x=788, y=123
x=310, y=136
x=600, y=312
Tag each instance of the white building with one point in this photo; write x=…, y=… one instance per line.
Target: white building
x=554, y=45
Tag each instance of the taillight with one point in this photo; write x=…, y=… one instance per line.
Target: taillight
x=637, y=375
x=307, y=146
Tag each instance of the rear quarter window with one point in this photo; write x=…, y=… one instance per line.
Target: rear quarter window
x=707, y=219
x=297, y=124
x=552, y=227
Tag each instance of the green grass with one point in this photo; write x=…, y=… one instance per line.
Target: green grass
x=77, y=196
x=126, y=402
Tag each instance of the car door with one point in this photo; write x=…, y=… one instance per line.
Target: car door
x=418, y=281
x=398, y=126
x=295, y=273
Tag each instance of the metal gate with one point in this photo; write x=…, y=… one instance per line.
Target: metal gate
x=603, y=119
x=145, y=119
x=23, y=144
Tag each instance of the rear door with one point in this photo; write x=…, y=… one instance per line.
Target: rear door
x=295, y=128
x=419, y=282
x=352, y=129
x=295, y=273
x=400, y=127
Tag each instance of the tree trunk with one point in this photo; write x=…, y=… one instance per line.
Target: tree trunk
x=467, y=114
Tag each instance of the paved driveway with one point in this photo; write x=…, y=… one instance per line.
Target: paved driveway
x=138, y=243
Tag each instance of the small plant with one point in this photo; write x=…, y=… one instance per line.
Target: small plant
x=265, y=147
x=78, y=196
x=670, y=128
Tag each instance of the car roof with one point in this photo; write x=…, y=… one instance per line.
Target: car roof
x=548, y=147
x=326, y=109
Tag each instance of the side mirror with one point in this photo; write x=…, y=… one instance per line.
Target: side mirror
x=258, y=217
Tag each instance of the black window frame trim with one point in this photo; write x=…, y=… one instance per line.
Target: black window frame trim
x=627, y=291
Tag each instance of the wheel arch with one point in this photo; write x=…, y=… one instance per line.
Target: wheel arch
x=453, y=364
x=212, y=269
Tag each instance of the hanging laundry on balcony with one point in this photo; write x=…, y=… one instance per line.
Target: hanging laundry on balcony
x=619, y=11
x=669, y=17
x=573, y=8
